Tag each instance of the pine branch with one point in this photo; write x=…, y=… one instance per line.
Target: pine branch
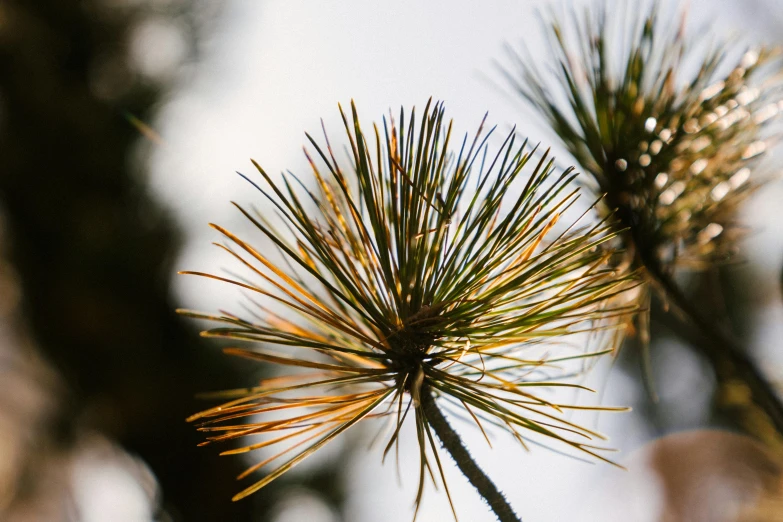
x=729, y=360
x=452, y=443
x=399, y=277
x=676, y=150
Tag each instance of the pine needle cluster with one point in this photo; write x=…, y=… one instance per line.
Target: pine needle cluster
x=673, y=132
x=417, y=275
x=668, y=130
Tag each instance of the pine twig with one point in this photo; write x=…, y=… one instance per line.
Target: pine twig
x=453, y=444
x=727, y=357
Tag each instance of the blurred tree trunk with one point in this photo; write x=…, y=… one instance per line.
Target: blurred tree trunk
x=93, y=251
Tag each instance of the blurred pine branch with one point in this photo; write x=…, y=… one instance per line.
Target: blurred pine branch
x=673, y=134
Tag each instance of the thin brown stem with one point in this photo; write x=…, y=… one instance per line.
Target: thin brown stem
x=733, y=366
x=728, y=358
x=452, y=443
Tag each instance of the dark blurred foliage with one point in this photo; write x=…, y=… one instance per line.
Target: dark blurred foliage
x=93, y=253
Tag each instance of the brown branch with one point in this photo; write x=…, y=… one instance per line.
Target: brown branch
x=729, y=359
x=453, y=444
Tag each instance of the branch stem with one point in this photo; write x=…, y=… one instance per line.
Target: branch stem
x=452, y=443
x=728, y=358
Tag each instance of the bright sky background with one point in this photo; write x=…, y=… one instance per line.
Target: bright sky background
x=270, y=71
